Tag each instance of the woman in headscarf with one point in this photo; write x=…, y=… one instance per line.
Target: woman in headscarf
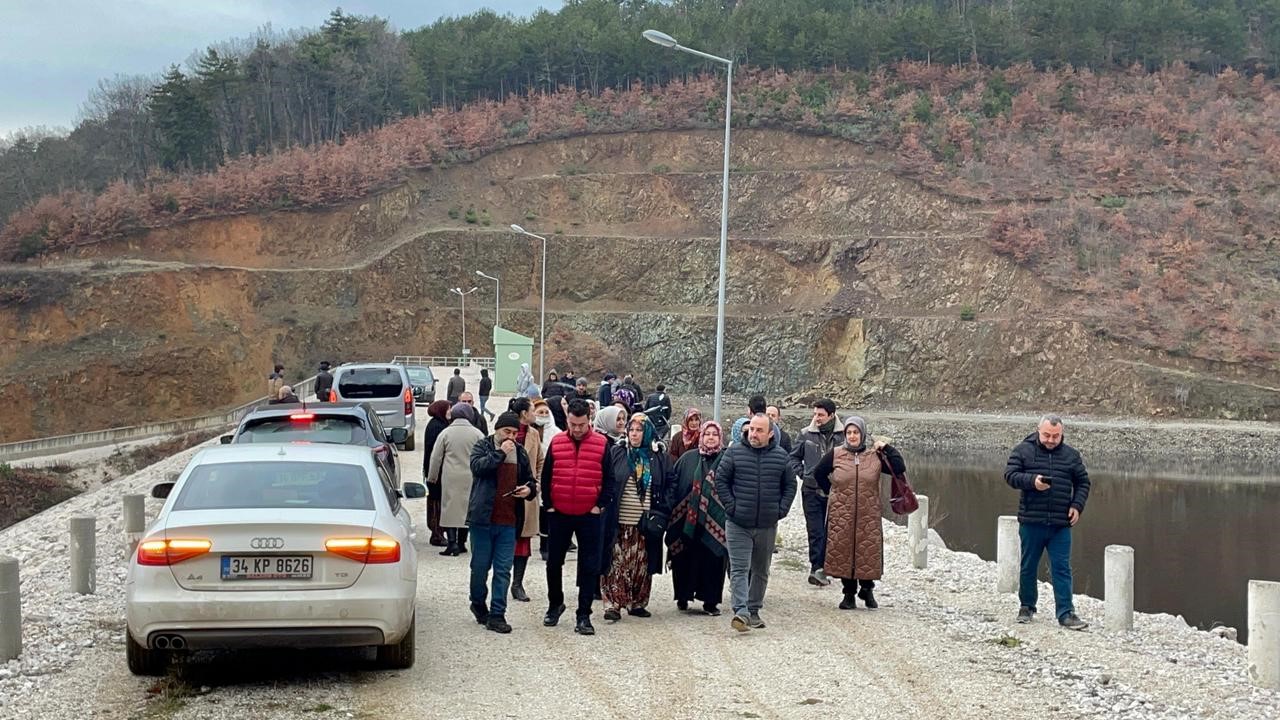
x=735, y=435
x=850, y=475
x=530, y=436
x=625, y=398
x=686, y=437
x=545, y=422
x=438, y=411
x=636, y=520
x=695, y=537
x=612, y=421
x=451, y=467
x=523, y=380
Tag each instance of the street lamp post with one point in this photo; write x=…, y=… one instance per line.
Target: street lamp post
x=542, y=322
x=667, y=41
x=497, y=293
x=463, y=294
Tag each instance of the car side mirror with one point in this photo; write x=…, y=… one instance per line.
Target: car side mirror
x=413, y=490
x=161, y=491
x=399, y=435
x=226, y=439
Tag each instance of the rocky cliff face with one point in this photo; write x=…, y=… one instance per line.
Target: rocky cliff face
x=843, y=279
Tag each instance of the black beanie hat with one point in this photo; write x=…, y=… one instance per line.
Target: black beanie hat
x=507, y=419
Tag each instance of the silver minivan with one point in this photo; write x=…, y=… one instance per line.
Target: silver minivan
x=386, y=387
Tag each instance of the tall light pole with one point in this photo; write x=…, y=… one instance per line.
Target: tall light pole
x=497, y=293
x=463, y=294
x=542, y=323
x=667, y=41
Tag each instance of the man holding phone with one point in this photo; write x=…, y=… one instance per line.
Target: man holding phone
x=1055, y=487
x=503, y=480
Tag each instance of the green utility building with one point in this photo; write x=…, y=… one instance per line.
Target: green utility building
x=510, y=351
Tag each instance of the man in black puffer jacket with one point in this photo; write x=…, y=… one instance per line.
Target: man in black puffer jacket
x=756, y=486
x=1055, y=487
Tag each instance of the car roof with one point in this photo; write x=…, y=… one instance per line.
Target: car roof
x=357, y=409
x=371, y=366
x=285, y=452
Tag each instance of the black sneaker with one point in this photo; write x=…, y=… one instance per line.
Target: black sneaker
x=498, y=624
x=584, y=626
x=682, y=605
x=639, y=612
x=481, y=612
x=1071, y=622
x=869, y=598
x=1025, y=615
x=755, y=622
x=612, y=615
x=552, y=618
x=711, y=609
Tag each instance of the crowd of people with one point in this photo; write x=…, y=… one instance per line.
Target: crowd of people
x=604, y=474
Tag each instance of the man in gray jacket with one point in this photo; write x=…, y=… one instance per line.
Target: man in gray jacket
x=810, y=446
x=756, y=486
x=457, y=386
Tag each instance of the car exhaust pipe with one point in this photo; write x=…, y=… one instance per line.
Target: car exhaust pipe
x=177, y=643
x=161, y=642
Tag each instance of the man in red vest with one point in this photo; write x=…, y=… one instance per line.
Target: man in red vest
x=577, y=486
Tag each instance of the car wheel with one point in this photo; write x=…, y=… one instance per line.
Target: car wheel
x=409, y=443
x=143, y=661
x=400, y=655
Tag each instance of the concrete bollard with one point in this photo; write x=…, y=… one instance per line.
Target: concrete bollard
x=10, y=610
x=135, y=521
x=1008, y=554
x=83, y=555
x=918, y=534
x=1264, y=634
x=1117, y=587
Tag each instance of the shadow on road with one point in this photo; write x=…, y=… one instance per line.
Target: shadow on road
x=272, y=667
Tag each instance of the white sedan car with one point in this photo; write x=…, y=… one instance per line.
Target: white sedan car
x=275, y=546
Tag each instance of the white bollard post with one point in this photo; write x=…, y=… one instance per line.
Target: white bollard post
x=1264, y=634
x=135, y=521
x=10, y=610
x=1117, y=588
x=918, y=534
x=1008, y=554
x=83, y=555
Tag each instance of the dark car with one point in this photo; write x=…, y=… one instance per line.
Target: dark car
x=424, y=384
x=337, y=423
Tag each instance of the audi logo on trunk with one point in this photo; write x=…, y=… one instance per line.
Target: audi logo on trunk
x=265, y=543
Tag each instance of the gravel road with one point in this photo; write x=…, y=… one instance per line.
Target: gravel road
x=943, y=644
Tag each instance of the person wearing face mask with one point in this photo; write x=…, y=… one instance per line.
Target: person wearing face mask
x=544, y=423
x=695, y=537
x=636, y=520
x=850, y=476
x=529, y=437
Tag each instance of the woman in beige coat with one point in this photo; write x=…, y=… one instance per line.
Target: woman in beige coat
x=530, y=436
x=451, y=467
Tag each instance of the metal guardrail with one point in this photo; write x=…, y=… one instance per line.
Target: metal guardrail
x=444, y=361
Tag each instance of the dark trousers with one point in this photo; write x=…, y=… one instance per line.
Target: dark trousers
x=815, y=522
x=1036, y=539
x=561, y=530
x=852, y=586
x=698, y=573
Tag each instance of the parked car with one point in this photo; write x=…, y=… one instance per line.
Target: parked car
x=386, y=387
x=339, y=423
x=424, y=384
x=269, y=546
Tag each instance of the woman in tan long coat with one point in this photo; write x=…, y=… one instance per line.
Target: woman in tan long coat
x=530, y=436
x=850, y=475
x=451, y=467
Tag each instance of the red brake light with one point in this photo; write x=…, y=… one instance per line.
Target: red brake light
x=366, y=550
x=408, y=401
x=303, y=416
x=333, y=396
x=171, y=552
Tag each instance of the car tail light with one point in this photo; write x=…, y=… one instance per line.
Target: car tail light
x=302, y=416
x=365, y=550
x=171, y=552
x=408, y=401
x=333, y=396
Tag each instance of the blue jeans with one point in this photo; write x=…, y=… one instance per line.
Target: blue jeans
x=492, y=547
x=1036, y=539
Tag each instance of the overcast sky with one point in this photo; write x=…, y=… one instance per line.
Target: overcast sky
x=53, y=52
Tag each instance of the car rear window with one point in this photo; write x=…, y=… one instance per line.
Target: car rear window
x=370, y=383
x=244, y=485
x=344, y=430
x=421, y=376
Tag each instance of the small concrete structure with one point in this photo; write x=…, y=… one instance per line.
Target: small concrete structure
x=1117, y=588
x=1264, y=634
x=1008, y=554
x=135, y=521
x=10, y=610
x=918, y=534
x=84, y=561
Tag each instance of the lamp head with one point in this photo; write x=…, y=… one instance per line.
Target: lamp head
x=659, y=38
x=518, y=229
